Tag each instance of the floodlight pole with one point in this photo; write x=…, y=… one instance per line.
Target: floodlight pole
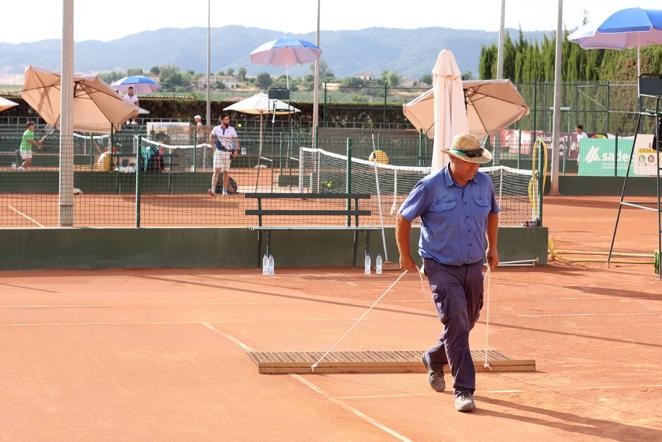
x=208, y=109
x=502, y=36
x=556, y=120
x=66, y=175
x=316, y=85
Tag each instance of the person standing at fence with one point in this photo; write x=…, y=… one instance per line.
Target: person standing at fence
x=225, y=142
x=27, y=141
x=199, y=130
x=458, y=211
x=132, y=98
x=579, y=132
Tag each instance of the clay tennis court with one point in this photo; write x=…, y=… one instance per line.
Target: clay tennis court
x=161, y=354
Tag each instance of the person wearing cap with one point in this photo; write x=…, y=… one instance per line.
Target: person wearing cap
x=458, y=213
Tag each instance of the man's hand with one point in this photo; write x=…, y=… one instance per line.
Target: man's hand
x=235, y=153
x=492, y=258
x=407, y=263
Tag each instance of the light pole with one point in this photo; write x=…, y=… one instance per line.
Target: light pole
x=502, y=37
x=316, y=84
x=208, y=110
x=556, y=119
x=66, y=175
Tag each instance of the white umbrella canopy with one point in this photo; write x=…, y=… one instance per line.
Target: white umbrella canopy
x=96, y=107
x=450, y=117
x=490, y=105
x=260, y=104
x=6, y=104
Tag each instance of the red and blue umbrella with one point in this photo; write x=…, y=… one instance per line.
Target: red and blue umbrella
x=141, y=84
x=625, y=29
x=285, y=52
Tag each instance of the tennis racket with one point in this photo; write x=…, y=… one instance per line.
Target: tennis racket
x=49, y=131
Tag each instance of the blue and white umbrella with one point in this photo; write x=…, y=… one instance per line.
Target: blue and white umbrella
x=285, y=52
x=625, y=29
x=141, y=85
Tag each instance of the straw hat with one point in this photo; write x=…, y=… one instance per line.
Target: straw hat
x=467, y=148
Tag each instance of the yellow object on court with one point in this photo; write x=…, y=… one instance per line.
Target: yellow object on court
x=379, y=156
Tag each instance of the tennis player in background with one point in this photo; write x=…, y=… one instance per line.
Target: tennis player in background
x=226, y=146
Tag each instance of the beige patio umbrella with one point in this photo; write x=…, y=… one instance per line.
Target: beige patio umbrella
x=96, y=107
x=260, y=104
x=450, y=117
x=6, y=104
x=491, y=105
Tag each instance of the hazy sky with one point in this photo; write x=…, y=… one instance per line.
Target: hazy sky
x=32, y=20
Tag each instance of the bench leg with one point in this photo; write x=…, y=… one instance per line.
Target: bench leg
x=269, y=243
x=367, y=242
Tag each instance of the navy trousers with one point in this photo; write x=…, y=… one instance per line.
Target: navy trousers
x=457, y=292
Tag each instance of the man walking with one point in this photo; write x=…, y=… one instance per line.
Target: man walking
x=226, y=146
x=458, y=210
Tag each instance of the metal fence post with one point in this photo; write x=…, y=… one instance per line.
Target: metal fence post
x=385, y=101
x=195, y=146
x=541, y=180
x=348, y=179
x=608, y=109
x=420, y=147
x=325, y=109
x=138, y=161
x=535, y=115
x=616, y=156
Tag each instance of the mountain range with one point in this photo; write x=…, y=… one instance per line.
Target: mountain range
x=409, y=52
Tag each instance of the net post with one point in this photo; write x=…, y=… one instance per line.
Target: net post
x=348, y=180
x=138, y=180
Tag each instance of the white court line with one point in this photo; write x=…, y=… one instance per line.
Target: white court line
x=124, y=323
x=351, y=409
x=318, y=390
x=562, y=315
x=228, y=337
x=599, y=387
x=25, y=216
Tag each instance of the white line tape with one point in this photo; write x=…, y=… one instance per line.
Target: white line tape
x=351, y=409
x=25, y=216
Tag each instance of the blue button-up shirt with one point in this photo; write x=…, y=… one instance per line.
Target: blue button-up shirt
x=454, y=218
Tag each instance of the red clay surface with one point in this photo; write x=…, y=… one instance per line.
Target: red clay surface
x=160, y=354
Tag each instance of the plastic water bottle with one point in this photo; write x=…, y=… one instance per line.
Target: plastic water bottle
x=378, y=265
x=270, y=265
x=265, y=264
x=366, y=266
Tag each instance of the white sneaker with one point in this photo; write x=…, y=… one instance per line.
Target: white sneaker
x=225, y=192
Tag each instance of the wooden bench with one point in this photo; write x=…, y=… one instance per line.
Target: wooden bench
x=352, y=212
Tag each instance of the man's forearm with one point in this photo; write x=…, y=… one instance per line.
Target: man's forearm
x=402, y=235
x=492, y=229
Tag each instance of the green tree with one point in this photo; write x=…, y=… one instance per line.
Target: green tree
x=426, y=79
x=155, y=70
x=263, y=80
x=230, y=72
x=241, y=74
x=134, y=71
